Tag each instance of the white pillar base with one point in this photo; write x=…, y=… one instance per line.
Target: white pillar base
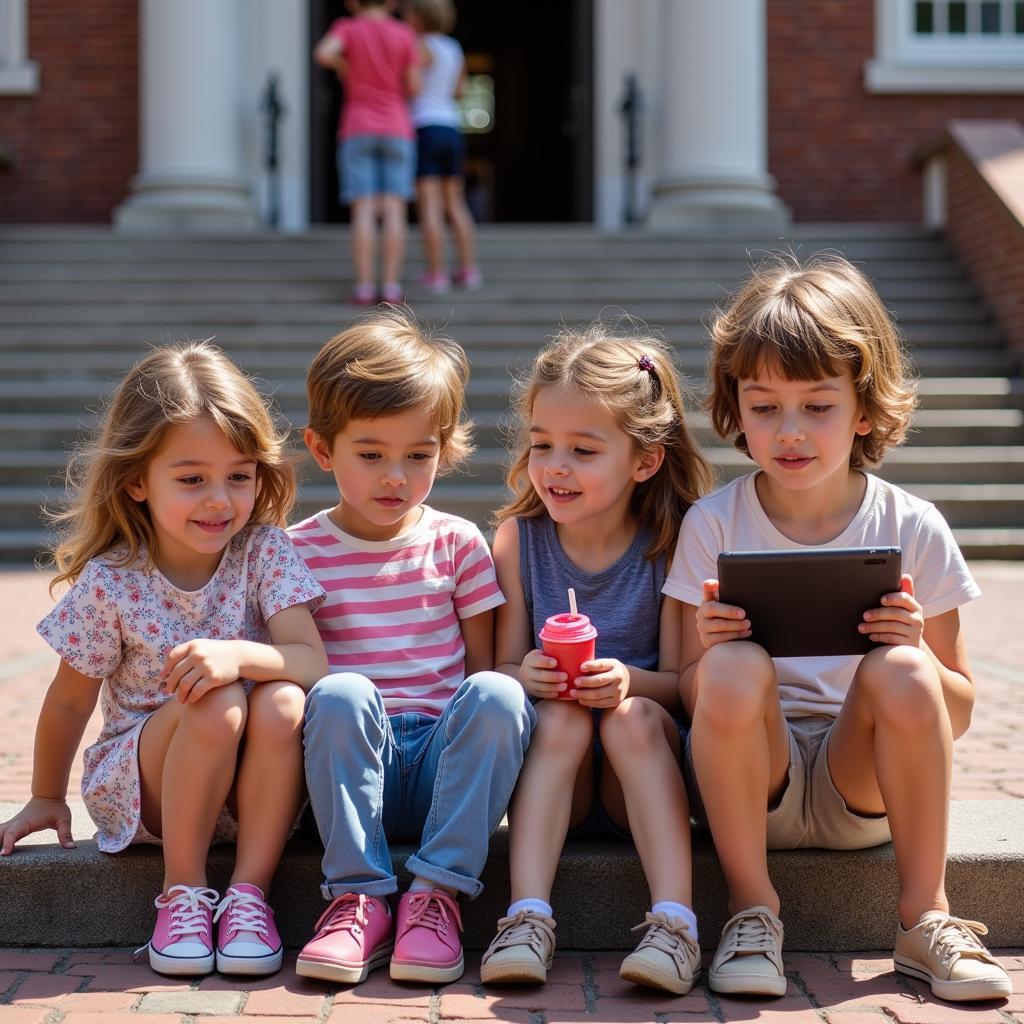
x=191, y=204
x=714, y=201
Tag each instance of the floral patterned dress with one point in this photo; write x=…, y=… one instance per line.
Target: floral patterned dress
x=119, y=624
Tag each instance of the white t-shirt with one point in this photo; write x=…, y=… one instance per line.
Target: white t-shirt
x=732, y=519
x=435, y=103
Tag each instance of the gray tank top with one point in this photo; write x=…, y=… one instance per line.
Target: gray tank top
x=623, y=601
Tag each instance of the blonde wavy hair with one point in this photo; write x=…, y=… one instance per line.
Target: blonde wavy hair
x=805, y=322
x=172, y=385
x=385, y=363
x=647, y=404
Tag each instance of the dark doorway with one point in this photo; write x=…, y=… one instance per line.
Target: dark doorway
x=533, y=159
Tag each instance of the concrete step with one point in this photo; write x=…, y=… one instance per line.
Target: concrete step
x=986, y=840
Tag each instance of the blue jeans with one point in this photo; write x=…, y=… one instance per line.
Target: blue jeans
x=442, y=781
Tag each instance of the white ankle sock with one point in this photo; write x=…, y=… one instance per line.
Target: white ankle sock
x=677, y=910
x=422, y=885
x=536, y=906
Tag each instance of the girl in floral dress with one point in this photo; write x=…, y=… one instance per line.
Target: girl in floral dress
x=189, y=618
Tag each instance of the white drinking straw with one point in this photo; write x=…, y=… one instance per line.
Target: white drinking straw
x=572, y=601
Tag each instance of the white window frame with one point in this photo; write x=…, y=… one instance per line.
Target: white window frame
x=18, y=75
x=906, y=62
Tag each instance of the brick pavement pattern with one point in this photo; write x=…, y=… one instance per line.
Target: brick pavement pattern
x=78, y=986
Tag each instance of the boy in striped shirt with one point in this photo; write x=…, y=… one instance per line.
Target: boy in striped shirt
x=412, y=737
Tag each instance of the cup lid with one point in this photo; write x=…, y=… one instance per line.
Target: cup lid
x=568, y=628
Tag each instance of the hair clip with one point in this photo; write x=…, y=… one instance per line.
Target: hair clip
x=646, y=363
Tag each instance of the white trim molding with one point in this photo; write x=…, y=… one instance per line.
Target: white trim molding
x=941, y=62
x=18, y=75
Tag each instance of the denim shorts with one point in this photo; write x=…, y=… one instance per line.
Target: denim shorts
x=440, y=151
x=598, y=823
x=375, y=165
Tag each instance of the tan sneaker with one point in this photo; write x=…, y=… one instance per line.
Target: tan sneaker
x=748, y=960
x=667, y=957
x=522, y=951
x=946, y=952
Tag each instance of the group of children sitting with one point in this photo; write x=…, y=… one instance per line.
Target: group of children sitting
x=377, y=657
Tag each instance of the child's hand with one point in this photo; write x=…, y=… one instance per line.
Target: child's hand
x=37, y=815
x=540, y=677
x=604, y=684
x=900, y=620
x=719, y=623
x=198, y=666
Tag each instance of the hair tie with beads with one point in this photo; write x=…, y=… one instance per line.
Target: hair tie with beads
x=645, y=363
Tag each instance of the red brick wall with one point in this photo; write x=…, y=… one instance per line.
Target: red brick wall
x=989, y=241
x=75, y=142
x=838, y=152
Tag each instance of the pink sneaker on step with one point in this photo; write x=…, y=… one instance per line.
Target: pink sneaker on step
x=428, y=938
x=247, y=938
x=353, y=936
x=182, y=940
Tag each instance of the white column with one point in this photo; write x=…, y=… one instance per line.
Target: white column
x=714, y=118
x=191, y=175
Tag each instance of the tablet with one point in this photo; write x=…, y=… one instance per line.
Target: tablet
x=809, y=603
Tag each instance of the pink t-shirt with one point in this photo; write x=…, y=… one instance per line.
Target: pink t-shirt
x=393, y=607
x=379, y=51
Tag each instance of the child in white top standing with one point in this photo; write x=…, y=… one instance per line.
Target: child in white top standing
x=190, y=619
x=808, y=376
x=604, y=468
x=412, y=736
x=441, y=149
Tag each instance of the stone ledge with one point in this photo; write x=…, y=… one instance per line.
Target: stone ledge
x=832, y=901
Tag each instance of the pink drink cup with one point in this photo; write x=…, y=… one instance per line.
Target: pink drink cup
x=570, y=640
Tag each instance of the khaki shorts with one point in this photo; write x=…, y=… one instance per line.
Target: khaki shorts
x=810, y=812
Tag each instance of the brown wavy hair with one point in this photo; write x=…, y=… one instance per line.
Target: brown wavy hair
x=173, y=384
x=387, y=362
x=646, y=404
x=805, y=322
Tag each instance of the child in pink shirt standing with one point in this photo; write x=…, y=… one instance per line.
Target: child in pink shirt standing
x=378, y=59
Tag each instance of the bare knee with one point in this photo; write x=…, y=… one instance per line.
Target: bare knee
x=275, y=713
x=634, y=725
x=219, y=717
x=564, y=729
x=735, y=682
x=902, y=687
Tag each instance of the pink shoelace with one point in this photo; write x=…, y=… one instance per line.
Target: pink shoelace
x=346, y=912
x=434, y=910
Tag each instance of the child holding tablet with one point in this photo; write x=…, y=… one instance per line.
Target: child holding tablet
x=808, y=376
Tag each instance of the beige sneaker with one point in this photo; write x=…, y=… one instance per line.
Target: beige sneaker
x=946, y=952
x=748, y=960
x=522, y=951
x=667, y=957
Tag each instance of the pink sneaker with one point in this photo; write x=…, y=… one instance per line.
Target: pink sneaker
x=392, y=293
x=364, y=295
x=469, y=278
x=353, y=937
x=428, y=938
x=436, y=284
x=182, y=940
x=247, y=939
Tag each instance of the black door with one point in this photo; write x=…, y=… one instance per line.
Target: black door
x=530, y=144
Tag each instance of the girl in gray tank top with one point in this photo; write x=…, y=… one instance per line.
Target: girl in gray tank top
x=603, y=470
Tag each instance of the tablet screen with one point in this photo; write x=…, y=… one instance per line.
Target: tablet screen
x=809, y=603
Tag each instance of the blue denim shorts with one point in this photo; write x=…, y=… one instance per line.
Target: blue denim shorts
x=440, y=151
x=376, y=165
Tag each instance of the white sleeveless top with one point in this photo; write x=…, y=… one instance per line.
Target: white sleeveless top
x=435, y=104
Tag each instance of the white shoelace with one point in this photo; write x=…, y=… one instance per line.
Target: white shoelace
x=524, y=929
x=955, y=937
x=246, y=913
x=189, y=906
x=756, y=932
x=670, y=936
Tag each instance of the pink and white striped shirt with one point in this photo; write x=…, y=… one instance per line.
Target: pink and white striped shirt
x=393, y=607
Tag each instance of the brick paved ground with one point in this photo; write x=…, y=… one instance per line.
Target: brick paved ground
x=105, y=987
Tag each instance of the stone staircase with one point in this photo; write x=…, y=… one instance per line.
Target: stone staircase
x=77, y=306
